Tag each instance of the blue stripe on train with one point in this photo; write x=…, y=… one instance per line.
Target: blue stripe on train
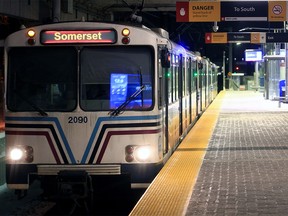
x=92, y=137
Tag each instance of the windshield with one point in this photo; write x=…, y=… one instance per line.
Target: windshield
x=42, y=78
x=110, y=77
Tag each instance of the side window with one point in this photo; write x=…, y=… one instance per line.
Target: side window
x=183, y=77
x=189, y=75
x=176, y=77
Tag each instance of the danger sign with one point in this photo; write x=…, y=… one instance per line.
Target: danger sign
x=197, y=11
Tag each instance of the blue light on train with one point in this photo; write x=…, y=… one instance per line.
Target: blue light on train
x=118, y=89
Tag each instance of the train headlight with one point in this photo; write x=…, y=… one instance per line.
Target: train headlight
x=16, y=154
x=125, y=32
x=143, y=153
x=138, y=153
x=31, y=34
x=21, y=154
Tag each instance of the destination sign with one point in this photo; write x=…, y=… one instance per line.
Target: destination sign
x=83, y=36
x=244, y=11
x=235, y=37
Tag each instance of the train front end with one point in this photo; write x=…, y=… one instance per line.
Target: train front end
x=80, y=99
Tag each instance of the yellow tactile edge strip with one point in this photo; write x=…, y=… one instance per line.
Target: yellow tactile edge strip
x=171, y=190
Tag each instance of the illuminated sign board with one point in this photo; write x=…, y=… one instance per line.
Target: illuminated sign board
x=206, y=11
x=244, y=11
x=253, y=55
x=83, y=36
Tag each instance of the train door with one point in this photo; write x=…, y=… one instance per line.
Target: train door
x=180, y=94
x=194, y=86
x=204, y=86
x=190, y=77
x=200, y=86
x=209, y=81
x=163, y=94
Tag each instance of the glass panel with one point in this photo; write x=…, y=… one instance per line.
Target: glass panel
x=274, y=78
x=42, y=78
x=112, y=76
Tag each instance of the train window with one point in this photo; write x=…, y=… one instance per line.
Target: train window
x=173, y=82
x=169, y=87
x=189, y=75
x=115, y=76
x=183, y=77
x=194, y=75
x=176, y=89
x=42, y=79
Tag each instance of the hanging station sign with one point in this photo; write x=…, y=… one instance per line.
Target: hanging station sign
x=214, y=11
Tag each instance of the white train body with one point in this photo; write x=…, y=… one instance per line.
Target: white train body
x=107, y=99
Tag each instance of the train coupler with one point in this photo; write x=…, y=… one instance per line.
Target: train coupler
x=77, y=187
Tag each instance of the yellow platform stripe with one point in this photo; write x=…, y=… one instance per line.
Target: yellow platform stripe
x=170, y=192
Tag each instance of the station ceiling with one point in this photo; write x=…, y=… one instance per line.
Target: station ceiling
x=161, y=14
x=128, y=5
x=154, y=14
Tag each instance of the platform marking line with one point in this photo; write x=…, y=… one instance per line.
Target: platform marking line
x=171, y=190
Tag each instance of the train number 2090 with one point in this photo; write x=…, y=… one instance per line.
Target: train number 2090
x=77, y=119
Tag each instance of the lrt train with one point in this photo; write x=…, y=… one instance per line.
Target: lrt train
x=98, y=101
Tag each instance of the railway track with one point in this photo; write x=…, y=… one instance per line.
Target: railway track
x=34, y=204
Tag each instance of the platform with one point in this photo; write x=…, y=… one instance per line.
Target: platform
x=234, y=161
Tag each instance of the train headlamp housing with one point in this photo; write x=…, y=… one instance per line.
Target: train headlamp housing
x=31, y=34
x=136, y=153
x=125, y=33
x=21, y=154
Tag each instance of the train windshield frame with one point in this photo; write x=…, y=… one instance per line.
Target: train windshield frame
x=45, y=79
x=110, y=76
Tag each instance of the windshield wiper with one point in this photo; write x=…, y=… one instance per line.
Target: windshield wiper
x=141, y=84
x=34, y=106
x=119, y=109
